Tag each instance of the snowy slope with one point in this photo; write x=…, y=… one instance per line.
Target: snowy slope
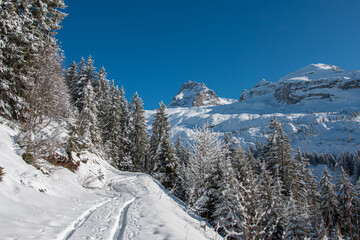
x=329, y=124
x=117, y=206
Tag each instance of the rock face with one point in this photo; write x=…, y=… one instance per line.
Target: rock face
x=193, y=94
x=315, y=81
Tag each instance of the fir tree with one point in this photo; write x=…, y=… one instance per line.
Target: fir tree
x=103, y=104
x=183, y=155
x=138, y=137
x=27, y=30
x=163, y=159
x=328, y=204
x=226, y=214
x=126, y=162
x=88, y=122
x=347, y=206
x=203, y=169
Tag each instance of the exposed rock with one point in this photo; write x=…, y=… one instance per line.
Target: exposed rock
x=193, y=94
x=315, y=81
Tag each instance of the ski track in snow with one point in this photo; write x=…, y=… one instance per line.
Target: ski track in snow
x=100, y=221
x=77, y=223
x=121, y=221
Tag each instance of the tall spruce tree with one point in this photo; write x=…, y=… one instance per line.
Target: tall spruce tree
x=103, y=104
x=347, y=202
x=139, y=138
x=203, y=168
x=183, y=154
x=88, y=122
x=328, y=205
x=226, y=213
x=163, y=160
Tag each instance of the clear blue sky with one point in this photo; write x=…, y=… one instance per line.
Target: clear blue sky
x=153, y=46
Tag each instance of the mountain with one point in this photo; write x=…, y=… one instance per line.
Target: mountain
x=324, y=82
x=319, y=106
x=193, y=94
x=95, y=202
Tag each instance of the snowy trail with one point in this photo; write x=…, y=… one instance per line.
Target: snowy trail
x=122, y=221
x=106, y=220
x=77, y=223
x=116, y=205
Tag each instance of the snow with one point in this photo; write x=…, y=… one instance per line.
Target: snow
x=323, y=125
x=115, y=205
x=314, y=72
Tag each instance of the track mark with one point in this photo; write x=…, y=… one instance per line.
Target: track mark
x=121, y=221
x=70, y=229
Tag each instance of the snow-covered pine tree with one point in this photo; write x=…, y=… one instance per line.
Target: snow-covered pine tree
x=277, y=155
x=126, y=162
x=226, y=214
x=203, y=164
x=271, y=205
x=88, y=122
x=27, y=35
x=347, y=202
x=139, y=137
x=79, y=84
x=163, y=158
x=90, y=72
x=294, y=224
x=312, y=202
x=70, y=78
x=183, y=154
x=103, y=104
x=328, y=205
x=119, y=131
x=13, y=44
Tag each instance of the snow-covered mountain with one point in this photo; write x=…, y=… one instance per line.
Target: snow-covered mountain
x=319, y=106
x=95, y=202
x=193, y=94
x=327, y=83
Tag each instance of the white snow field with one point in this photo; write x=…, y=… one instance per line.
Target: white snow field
x=114, y=205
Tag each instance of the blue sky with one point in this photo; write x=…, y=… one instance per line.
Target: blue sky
x=153, y=46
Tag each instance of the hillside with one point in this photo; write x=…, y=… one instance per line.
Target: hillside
x=318, y=105
x=95, y=202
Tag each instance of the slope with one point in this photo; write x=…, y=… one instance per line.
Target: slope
x=118, y=205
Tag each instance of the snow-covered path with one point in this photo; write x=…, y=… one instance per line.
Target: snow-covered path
x=115, y=204
x=139, y=209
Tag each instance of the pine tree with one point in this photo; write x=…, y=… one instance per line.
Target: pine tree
x=347, y=206
x=126, y=163
x=103, y=104
x=203, y=169
x=119, y=142
x=88, y=122
x=183, y=155
x=79, y=84
x=328, y=204
x=271, y=205
x=27, y=36
x=138, y=137
x=226, y=214
x=163, y=159
x=70, y=78
x=277, y=155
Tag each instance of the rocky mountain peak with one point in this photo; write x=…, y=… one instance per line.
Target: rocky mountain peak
x=194, y=94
